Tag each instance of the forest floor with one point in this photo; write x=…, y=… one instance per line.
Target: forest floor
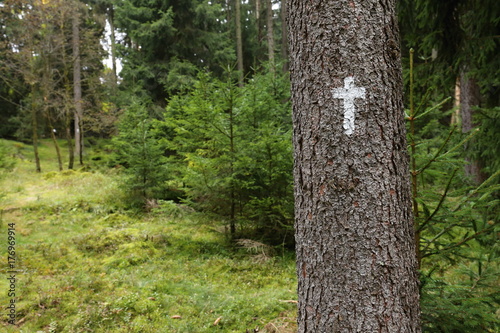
x=85, y=263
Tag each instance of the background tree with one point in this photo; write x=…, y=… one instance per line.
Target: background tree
x=456, y=45
x=141, y=153
x=457, y=41
x=354, y=229
x=33, y=58
x=270, y=33
x=239, y=40
x=231, y=149
x=197, y=35
x=455, y=226
x=284, y=35
x=40, y=35
x=77, y=83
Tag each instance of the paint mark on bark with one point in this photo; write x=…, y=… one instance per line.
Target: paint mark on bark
x=349, y=93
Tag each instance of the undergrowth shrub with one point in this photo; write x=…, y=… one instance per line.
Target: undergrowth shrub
x=231, y=149
x=456, y=222
x=141, y=153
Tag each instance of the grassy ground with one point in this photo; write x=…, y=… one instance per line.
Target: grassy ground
x=87, y=264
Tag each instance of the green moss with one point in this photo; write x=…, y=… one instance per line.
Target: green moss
x=100, y=240
x=89, y=265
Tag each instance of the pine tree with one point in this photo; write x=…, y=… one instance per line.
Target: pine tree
x=356, y=262
x=141, y=153
x=231, y=149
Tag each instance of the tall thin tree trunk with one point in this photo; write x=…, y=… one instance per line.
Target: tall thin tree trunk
x=46, y=79
x=68, y=109
x=270, y=34
x=69, y=139
x=470, y=97
x=455, y=117
x=54, y=140
x=257, y=18
x=239, y=41
x=111, y=18
x=77, y=87
x=232, y=212
x=34, y=120
x=284, y=36
x=356, y=263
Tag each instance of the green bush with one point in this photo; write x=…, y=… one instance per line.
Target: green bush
x=231, y=149
x=141, y=154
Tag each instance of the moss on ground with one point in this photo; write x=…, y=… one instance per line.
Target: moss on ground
x=87, y=264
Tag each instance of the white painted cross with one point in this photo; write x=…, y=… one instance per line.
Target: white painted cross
x=348, y=94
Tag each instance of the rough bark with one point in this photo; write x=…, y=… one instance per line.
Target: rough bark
x=239, y=41
x=77, y=87
x=356, y=260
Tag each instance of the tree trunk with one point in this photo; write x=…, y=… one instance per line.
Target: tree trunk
x=239, y=41
x=68, y=111
x=470, y=97
x=47, y=85
x=232, y=190
x=284, y=36
x=69, y=139
x=413, y=162
x=34, y=121
x=356, y=261
x=54, y=140
x=270, y=34
x=455, y=116
x=111, y=20
x=257, y=19
x=77, y=87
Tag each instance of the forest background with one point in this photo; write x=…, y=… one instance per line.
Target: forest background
x=199, y=116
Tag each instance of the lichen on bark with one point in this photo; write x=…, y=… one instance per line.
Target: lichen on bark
x=354, y=228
